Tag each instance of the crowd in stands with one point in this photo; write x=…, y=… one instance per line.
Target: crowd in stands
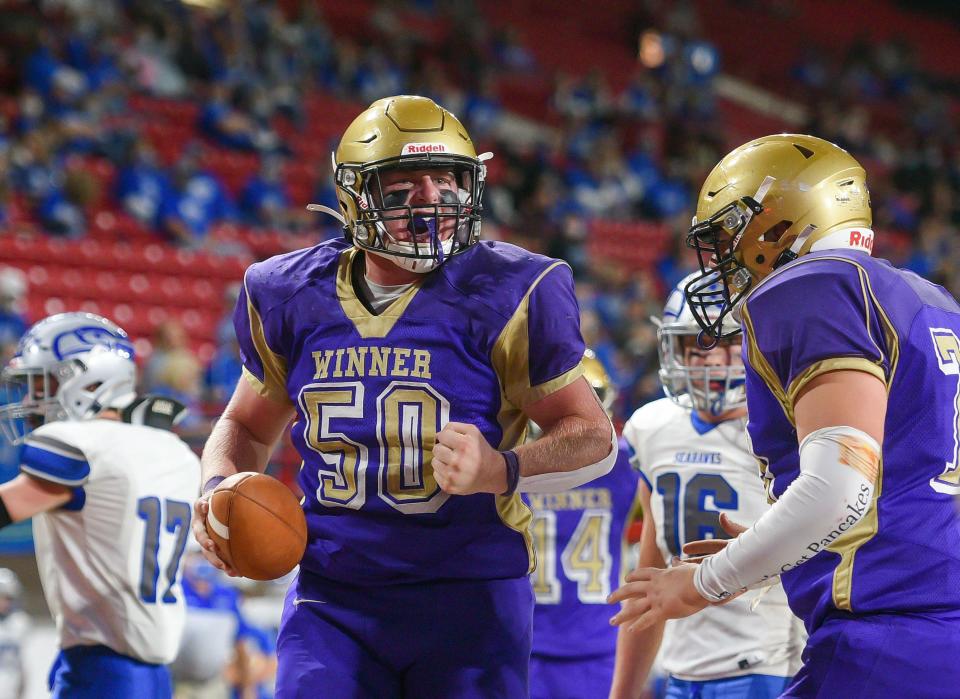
x=875, y=101
x=256, y=79
x=267, y=87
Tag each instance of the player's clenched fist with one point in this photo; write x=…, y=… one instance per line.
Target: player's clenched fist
x=464, y=462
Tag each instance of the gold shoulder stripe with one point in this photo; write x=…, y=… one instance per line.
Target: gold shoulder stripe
x=862, y=274
x=762, y=366
x=788, y=397
x=511, y=356
x=274, y=382
x=515, y=515
x=262, y=389
x=553, y=385
x=825, y=366
x=891, y=338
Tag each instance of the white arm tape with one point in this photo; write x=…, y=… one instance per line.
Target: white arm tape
x=834, y=491
x=558, y=481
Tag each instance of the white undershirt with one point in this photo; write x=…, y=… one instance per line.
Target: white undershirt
x=378, y=296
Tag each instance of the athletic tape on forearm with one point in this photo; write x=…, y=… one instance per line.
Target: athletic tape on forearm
x=838, y=473
x=558, y=481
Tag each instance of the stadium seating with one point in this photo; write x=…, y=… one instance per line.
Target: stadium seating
x=140, y=285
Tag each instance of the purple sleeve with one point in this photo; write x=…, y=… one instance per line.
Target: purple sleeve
x=264, y=368
x=553, y=327
x=540, y=348
x=814, y=318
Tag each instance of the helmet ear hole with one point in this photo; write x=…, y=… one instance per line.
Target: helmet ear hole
x=775, y=232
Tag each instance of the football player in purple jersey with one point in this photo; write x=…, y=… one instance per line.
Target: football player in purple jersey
x=409, y=357
x=852, y=370
x=691, y=450
x=580, y=537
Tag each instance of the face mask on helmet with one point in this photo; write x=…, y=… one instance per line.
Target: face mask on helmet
x=706, y=379
x=70, y=366
x=386, y=206
x=765, y=204
x=417, y=213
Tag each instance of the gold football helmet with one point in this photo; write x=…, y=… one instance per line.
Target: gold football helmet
x=598, y=378
x=409, y=133
x=766, y=203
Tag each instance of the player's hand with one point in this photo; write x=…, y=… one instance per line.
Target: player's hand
x=654, y=595
x=207, y=547
x=700, y=549
x=464, y=462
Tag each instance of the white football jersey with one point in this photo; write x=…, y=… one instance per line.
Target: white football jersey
x=110, y=559
x=695, y=471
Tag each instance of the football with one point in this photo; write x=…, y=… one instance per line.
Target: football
x=258, y=525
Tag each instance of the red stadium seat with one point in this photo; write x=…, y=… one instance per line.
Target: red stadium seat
x=122, y=315
x=54, y=304
x=202, y=292
x=142, y=347
x=90, y=306
x=108, y=286
x=635, y=244
x=38, y=277
x=156, y=315
x=171, y=290
x=140, y=287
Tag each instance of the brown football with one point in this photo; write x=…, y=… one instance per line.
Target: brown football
x=258, y=525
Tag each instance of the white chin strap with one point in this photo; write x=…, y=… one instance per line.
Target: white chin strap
x=420, y=265
x=320, y=208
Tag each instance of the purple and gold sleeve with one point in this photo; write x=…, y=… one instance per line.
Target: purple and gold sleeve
x=264, y=367
x=814, y=318
x=540, y=349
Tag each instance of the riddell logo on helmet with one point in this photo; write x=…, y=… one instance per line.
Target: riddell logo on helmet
x=861, y=239
x=420, y=148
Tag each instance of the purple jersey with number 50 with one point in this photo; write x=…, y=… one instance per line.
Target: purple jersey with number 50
x=836, y=310
x=493, y=330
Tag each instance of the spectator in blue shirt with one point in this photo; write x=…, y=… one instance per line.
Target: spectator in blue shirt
x=63, y=210
x=222, y=653
x=195, y=202
x=264, y=200
x=211, y=632
x=141, y=184
x=223, y=371
x=13, y=324
x=237, y=118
